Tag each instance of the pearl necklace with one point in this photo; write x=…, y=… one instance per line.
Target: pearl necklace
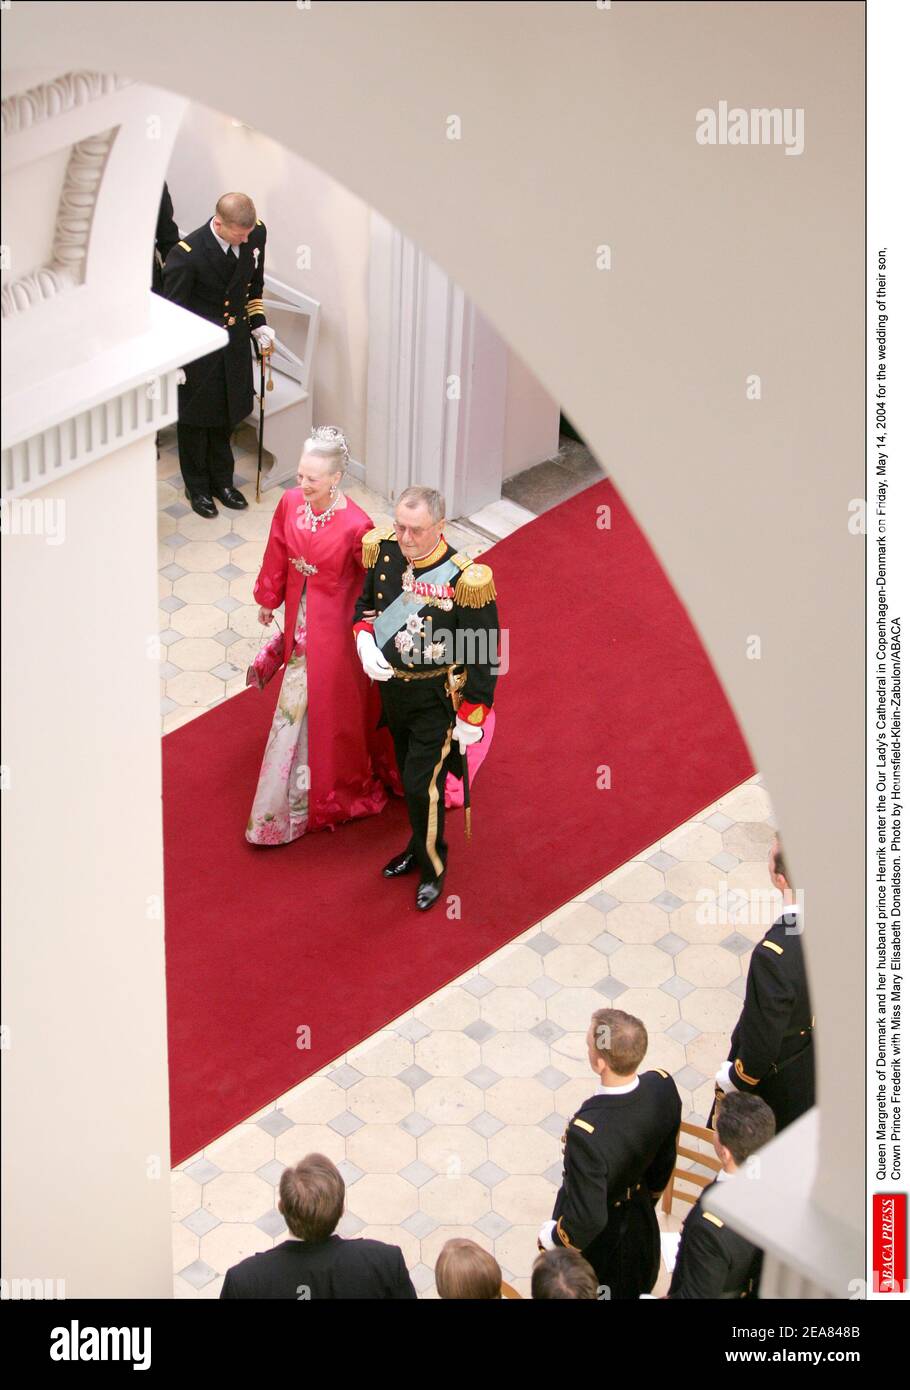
x=313, y=520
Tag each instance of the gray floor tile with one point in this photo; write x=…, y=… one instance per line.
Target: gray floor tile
x=547, y=1031
x=552, y=1078
x=725, y=861
x=202, y=1171
x=661, y=860
x=542, y=943
x=493, y=1225
x=690, y=1077
x=478, y=985
x=489, y=1174
x=668, y=901
x=227, y=604
x=607, y=943
x=198, y=1274
x=272, y=1223
x=672, y=944
x=544, y=987
x=200, y=1222
x=419, y=1224
x=414, y=1076
x=483, y=1077
x=610, y=987
x=486, y=1124
x=230, y=572
x=479, y=1031
x=346, y=1123
x=682, y=1032
x=718, y=821
x=677, y=987
x=417, y=1173
x=171, y=603
x=415, y=1124
x=275, y=1123
x=737, y=943
x=271, y=1172
x=350, y=1172
x=604, y=902
x=555, y=1124
x=345, y=1076
x=412, y=1029
x=172, y=572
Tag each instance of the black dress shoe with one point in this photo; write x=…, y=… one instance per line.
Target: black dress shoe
x=402, y=864
x=427, y=893
x=230, y=497
x=201, y=504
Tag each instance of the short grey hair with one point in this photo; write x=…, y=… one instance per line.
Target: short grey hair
x=433, y=500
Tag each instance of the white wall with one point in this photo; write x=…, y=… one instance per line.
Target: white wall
x=86, y=1188
x=532, y=420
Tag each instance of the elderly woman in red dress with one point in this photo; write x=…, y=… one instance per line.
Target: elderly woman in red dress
x=323, y=758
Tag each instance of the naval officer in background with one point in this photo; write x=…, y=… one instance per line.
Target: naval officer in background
x=217, y=271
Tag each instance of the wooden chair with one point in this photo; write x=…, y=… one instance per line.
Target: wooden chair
x=508, y=1292
x=687, y=1175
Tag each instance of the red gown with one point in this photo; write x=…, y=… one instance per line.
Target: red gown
x=325, y=761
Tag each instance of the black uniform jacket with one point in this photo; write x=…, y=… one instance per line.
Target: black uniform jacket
x=333, y=1268
x=228, y=291
x=614, y=1145
x=714, y=1261
x=466, y=633
x=772, y=1049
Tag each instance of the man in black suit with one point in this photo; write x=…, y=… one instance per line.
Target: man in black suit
x=772, y=1053
x=620, y=1150
x=426, y=627
x=217, y=271
x=713, y=1260
x=314, y=1262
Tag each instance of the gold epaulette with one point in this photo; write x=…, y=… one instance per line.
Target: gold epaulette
x=185, y=245
x=372, y=541
x=715, y=1220
x=661, y=1072
x=743, y=1076
x=475, y=587
x=773, y=946
x=583, y=1124
x=258, y=221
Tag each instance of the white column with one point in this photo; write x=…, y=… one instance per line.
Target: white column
x=437, y=380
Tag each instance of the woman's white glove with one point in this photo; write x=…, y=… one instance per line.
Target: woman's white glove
x=371, y=658
x=264, y=336
x=467, y=733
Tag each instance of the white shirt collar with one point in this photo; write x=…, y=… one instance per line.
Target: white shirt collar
x=617, y=1090
x=221, y=241
x=723, y=1176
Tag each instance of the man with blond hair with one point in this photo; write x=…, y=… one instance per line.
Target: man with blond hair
x=217, y=272
x=619, y=1153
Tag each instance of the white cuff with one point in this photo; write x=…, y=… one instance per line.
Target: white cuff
x=545, y=1235
x=723, y=1078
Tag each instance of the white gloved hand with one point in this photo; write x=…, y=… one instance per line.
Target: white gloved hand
x=371, y=658
x=722, y=1079
x=545, y=1238
x=264, y=336
x=467, y=733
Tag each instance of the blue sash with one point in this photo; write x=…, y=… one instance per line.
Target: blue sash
x=393, y=618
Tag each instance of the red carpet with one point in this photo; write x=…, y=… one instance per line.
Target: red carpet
x=605, y=669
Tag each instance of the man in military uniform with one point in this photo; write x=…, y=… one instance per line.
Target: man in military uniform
x=713, y=1260
x=772, y=1053
x=427, y=628
x=619, y=1154
x=217, y=272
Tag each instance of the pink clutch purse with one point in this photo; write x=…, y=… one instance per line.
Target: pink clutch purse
x=266, y=662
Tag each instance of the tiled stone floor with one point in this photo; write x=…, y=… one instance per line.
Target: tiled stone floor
x=448, y=1121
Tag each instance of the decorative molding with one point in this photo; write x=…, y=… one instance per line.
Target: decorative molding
x=23, y=110
x=81, y=439
x=75, y=209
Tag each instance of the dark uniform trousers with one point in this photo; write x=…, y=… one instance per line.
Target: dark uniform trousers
x=421, y=717
x=218, y=392
x=619, y=1154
